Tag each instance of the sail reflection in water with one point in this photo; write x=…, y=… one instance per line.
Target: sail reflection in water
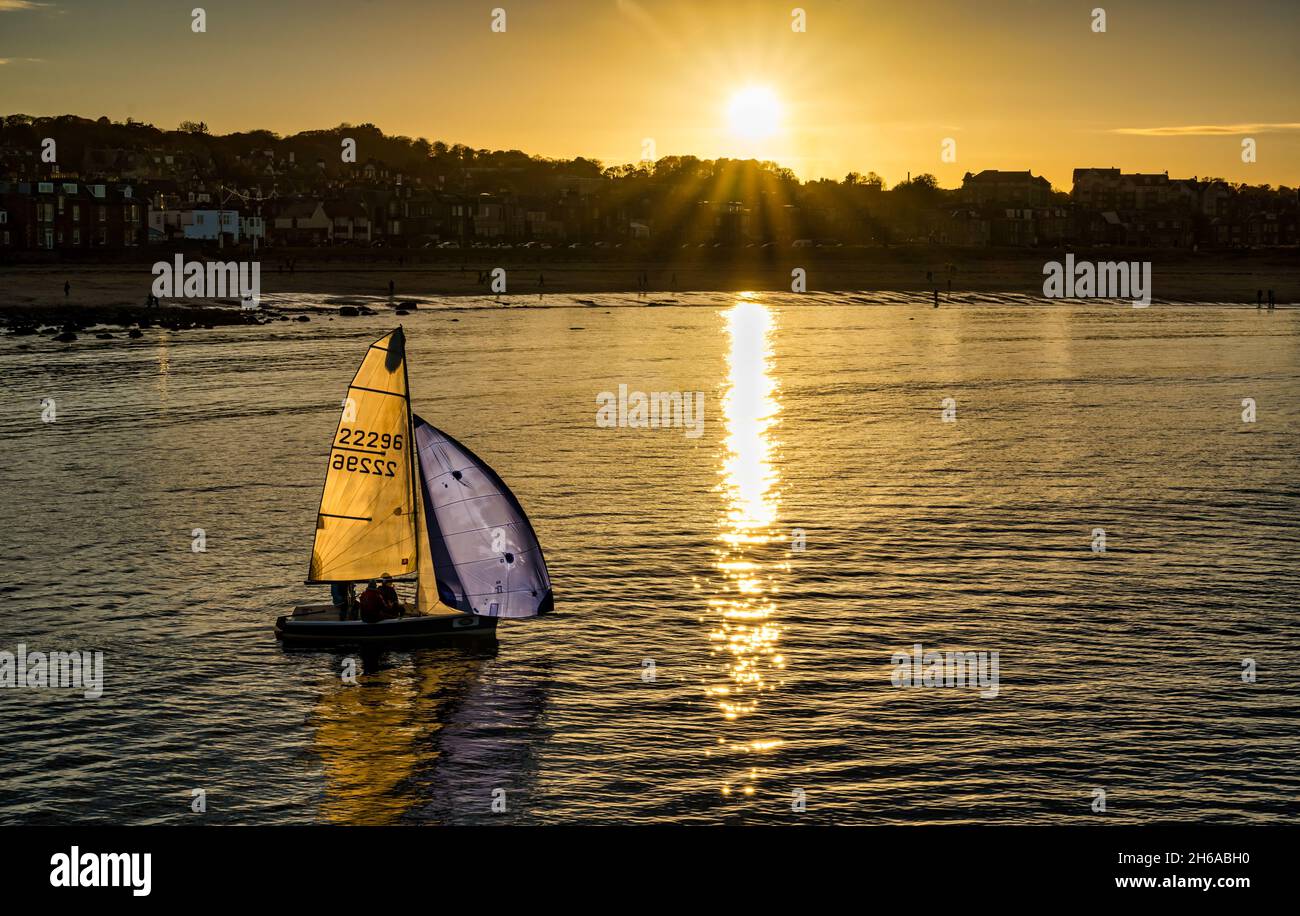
x=426, y=739
x=376, y=739
x=743, y=611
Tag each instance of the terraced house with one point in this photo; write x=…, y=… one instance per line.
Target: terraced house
x=68, y=213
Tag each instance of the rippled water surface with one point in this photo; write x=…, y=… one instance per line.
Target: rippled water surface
x=699, y=668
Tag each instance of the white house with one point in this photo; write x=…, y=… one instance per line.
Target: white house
x=211, y=224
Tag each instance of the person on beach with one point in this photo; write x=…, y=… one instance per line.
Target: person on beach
x=1259, y=298
x=1270, y=300
x=391, y=287
x=936, y=297
x=67, y=288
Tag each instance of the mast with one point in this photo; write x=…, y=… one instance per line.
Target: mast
x=413, y=467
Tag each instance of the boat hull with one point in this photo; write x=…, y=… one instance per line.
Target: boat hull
x=325, y=629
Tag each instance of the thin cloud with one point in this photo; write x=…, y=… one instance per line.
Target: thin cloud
x=19, y=60
x=1208, y=130
x=13, y=6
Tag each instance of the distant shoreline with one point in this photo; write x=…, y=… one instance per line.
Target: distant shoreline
x=115, y=293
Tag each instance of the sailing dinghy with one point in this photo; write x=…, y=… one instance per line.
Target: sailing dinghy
x=406, y=500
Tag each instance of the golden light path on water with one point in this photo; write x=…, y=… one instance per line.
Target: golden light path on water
x=746, y=631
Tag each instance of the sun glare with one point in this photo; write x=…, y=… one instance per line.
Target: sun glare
x=754, y=113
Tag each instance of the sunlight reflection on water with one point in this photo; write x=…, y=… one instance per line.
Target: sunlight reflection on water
x=743, y=610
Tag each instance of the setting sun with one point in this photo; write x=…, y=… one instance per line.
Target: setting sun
x=754, y=113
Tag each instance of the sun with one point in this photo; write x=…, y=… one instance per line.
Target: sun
x=754, y=112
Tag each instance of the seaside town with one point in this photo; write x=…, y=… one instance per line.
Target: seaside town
x=72, y=187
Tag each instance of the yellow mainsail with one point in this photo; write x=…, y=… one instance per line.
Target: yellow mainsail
x=366, y=524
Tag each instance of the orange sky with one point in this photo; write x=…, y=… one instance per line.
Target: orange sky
x=869, y=86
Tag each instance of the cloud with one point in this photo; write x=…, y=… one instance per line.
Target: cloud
x=19, y=60
x=11, y=6
x=1209, y=130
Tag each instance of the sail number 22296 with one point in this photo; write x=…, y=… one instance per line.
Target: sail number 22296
x=362, y=464
x=360, y=439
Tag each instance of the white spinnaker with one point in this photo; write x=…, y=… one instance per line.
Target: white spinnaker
x=366, y=524
x=483, y=550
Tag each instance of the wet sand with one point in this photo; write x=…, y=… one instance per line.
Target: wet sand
x=116, y=293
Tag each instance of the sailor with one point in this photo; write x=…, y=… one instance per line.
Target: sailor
x=343, y=598
x=372, y=604
x=392, y=607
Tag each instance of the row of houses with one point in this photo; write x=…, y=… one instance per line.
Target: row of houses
x=1110, y=207
x=68, y=213
x=992, y=208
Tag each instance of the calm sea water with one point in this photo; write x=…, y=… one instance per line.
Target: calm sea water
x=699, y=668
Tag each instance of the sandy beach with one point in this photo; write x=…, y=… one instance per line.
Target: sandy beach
x=116, y=293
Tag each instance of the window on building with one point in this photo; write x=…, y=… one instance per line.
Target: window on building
x=76, y=236
x=45, y=187
x=103, y=214
x=4, y=217
x=76, y=212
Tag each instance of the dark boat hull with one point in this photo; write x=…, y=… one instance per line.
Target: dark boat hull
x=327, y=630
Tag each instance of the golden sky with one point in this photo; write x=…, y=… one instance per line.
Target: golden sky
x=869, y=86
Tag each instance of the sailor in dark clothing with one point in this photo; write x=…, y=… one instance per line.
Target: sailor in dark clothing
x=372, y=604
x=343, y=598
x=392, y=606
